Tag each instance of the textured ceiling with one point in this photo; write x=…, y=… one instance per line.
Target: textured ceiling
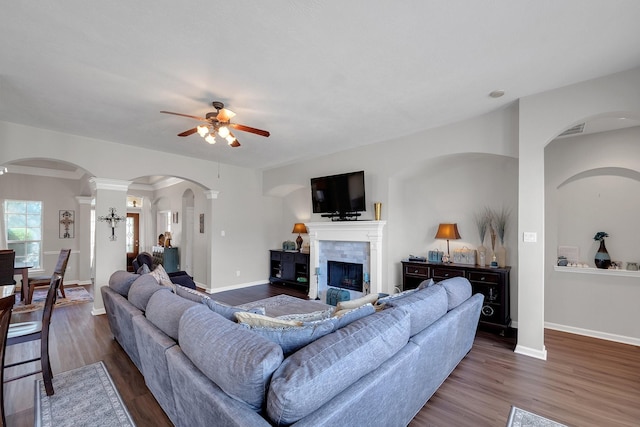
x=320, y=76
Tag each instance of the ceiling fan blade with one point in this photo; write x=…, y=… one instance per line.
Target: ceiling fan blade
x=225, y=115
x=202, y=119
x=235, y=142
x=188, y=132
x=249, y=129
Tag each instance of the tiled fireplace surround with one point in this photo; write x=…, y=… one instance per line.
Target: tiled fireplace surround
x=349, y=241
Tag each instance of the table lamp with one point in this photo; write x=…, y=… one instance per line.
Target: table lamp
x=299, y=227
x=448, y=232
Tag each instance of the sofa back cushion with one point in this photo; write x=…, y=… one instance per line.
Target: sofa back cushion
x=141, y=290
x=424, y=306
x=120, y=281
x=239, y=361
x=318, y=372
x=458, y=291
x=190, y=294
x=165, y=309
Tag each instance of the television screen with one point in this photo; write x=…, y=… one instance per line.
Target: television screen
x=339, y=194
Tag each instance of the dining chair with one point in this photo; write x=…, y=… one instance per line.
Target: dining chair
x=60, y=269
x=7, y=260
x=36, y=330
x=6, y=305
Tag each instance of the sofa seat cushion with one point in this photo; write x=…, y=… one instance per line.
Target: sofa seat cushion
x=424, y=306
x=165, y=309
x=318, y=372
x=458, y=291
x=120, y=281
x=142, y=289
x=237, y=360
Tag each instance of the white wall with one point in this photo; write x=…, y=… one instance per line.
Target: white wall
x=542, y=118
x=444, y=174
x=56, y=194
x=245, y=247
x=591, y=185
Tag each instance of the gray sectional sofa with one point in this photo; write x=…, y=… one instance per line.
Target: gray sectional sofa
x=205, y=369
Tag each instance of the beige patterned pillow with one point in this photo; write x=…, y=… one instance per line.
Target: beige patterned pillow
x=160, y=274
x=346, y=305
x=253, y=319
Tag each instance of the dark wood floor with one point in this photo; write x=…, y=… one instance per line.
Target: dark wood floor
x=585, y=382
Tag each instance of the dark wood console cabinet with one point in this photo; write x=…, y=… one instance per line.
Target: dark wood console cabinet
x=493, y=283
x=289, y=267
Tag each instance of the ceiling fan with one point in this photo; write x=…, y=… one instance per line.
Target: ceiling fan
x=217, y=124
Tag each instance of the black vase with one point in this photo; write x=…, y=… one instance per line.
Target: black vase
x=602, y=259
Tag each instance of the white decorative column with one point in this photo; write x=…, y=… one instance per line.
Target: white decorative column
x=83, y=233
x=110, y=255
x=347, y=231
x=212, y=196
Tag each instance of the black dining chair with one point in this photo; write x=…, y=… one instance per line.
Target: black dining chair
x=6, y=305
x=61, y=268
x=7, y=260
x=36, y=330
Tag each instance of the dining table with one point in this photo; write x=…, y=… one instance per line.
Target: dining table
x=22, y=267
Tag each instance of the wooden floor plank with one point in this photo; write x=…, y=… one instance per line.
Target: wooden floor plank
x=585, y=381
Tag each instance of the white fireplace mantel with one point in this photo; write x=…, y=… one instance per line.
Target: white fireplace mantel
x=347, y=231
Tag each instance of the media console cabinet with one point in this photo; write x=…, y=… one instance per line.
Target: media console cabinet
x=493, y=283
x=289, y=267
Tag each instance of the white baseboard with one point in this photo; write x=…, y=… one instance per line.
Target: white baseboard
x=531, y=352
x=98, y=312
x=231, y=287
x=593, y=334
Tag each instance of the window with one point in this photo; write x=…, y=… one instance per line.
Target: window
x=23, y=221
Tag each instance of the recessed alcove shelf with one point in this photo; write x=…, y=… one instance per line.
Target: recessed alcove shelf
x=597, y=271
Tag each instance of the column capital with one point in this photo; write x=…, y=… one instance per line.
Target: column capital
x=109, y=184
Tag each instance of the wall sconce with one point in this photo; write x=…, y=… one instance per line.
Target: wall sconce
x=112, y=221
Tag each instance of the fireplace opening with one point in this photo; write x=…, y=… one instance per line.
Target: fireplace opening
x=345, y=275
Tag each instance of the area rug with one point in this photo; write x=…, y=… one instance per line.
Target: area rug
x=83, y=397
x=521, y=418
x=75, y=295
x=285, y=304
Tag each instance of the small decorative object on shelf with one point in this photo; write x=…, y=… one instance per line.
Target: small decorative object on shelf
x=602, y=258
x=483, y=219
x=562, y=261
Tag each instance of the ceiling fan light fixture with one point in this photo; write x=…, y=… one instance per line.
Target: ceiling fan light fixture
x=223, y=131
x=230, y=139
x=202, y=130
x=211, y=139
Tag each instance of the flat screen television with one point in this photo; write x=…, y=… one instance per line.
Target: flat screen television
x=339, y=195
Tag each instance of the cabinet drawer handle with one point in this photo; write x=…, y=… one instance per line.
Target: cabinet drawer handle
x=482, y=278
x=446, y=274
x=415, y=271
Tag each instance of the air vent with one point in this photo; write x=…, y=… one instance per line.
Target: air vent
x=573, y=130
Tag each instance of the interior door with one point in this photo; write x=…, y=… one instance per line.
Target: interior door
x=133, y=234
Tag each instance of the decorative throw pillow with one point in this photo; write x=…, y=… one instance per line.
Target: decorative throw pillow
x=392, y=297
x=426, y=284
x=228, y=311
x=144, y=269
x=252, y=319
x=308, y=317
x=344, y=317
x=371, y=298
x=160, y=274
x=291, y=338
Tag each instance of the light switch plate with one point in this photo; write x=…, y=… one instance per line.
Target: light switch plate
x=530, y=237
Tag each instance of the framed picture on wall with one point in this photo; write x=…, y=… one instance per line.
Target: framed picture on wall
x=66, y=221
x=175, y=217
x=202, y=223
